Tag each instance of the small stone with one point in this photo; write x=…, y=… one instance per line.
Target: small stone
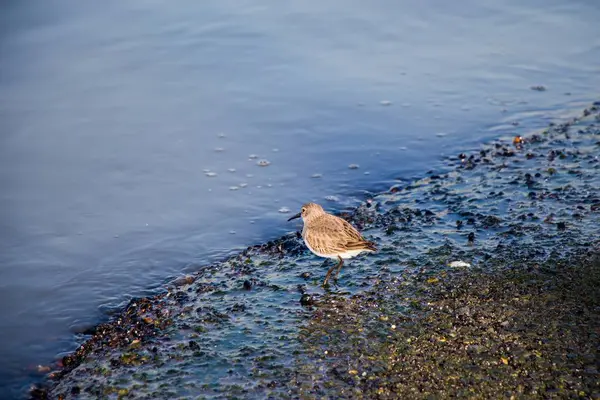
x=233, y=188
x=184, y=280
x=231, y=169
x=471, y=237
x=219, y=149
x=307, y=300
x=284, y=210
x=305, y=275
x=316, y=176
x=459, y=264
x=385, y=103
x=263, y=163
x=331, y=198
x=253, y=156
x=211, y=174
x=353, y=166
x=247, y=285
x=538, y=88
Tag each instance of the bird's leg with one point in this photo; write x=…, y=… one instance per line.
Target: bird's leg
x=328, y=274
x=339, y=267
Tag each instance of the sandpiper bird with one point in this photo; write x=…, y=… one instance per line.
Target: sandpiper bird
x=331, y=237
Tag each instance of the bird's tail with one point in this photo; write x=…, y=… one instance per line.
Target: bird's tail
x=361, y=245
x=370, y=245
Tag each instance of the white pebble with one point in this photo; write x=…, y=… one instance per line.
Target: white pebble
x=459, y=264
x=243, y=185
x=252, y=156
x=385, y=103
x=331, y=198
x=211, y=174
x=316, y=176
x=284, y=210
x=231, y=169
x=353, y=166
x=233, y=188
x=219, y=149
x=263, y=163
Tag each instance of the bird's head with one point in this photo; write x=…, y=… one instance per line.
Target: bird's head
x=308, y=212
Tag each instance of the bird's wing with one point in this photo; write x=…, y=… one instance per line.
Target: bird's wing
x=335, y=235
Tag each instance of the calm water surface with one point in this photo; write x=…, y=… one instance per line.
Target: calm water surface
x=114, y=114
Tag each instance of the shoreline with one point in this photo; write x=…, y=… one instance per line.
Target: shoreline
x=515, y=209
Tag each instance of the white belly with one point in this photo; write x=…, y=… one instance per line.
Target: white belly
x=345, y=255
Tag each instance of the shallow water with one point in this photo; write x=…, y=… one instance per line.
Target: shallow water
x=113, y=114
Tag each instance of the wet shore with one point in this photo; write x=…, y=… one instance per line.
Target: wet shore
x=486, y=285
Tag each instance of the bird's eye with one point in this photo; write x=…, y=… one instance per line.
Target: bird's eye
x=303, y=210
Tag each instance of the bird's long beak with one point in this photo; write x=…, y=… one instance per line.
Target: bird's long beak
x=295, y=216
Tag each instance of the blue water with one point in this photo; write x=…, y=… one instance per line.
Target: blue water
x=112, y=113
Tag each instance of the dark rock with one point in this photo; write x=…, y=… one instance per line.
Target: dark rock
x=305, y=275
x=307, y=300
x=247, y=285
x=471, y=237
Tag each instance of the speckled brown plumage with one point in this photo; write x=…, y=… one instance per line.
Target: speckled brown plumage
x=332, y=237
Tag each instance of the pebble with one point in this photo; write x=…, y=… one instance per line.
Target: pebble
x=471, y=237
x=331, y=198
x=353, y=166
x=459, y=264
x=211, y=174
x=284, y=210
x=307, y=300
x=316, y=176
x=263, y=163
x=253, y=156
